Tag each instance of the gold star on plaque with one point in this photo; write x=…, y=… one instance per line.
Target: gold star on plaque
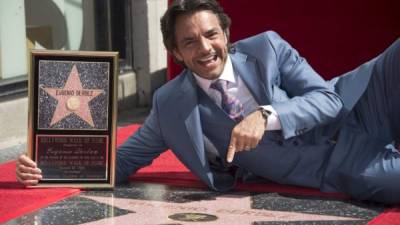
x=73, y=98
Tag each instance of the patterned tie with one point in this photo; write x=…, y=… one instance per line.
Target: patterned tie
x=230, y=104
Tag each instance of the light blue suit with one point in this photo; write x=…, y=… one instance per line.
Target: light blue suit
x=311, y=111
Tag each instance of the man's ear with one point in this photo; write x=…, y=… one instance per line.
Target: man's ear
x=226, y=35
x=177, y=54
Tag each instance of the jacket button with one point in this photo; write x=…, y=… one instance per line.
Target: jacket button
x=295, y=143
x=232, y=49
x=280, y=142
x=331, y=141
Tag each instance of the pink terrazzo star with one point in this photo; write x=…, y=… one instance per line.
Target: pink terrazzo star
x=230, y=209
x=73, y=98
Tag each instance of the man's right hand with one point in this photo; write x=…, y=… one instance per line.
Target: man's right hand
x=27, y=171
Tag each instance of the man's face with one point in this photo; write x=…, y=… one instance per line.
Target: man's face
x=201, y=43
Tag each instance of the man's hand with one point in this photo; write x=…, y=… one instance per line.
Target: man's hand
x=246, y=135
x=27, y=171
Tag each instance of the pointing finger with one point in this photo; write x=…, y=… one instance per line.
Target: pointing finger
x=231, y=150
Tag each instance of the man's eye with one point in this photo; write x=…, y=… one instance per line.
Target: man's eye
x=188, y=43
x=213, y=35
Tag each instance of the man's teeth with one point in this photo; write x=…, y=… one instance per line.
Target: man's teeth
x=208, y=58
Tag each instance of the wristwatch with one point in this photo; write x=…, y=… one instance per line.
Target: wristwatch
x=265, y=114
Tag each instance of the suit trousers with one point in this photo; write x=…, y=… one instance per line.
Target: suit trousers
x=369, y=169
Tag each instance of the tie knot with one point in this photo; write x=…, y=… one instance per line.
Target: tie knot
x=220, y=85
x=229, y=103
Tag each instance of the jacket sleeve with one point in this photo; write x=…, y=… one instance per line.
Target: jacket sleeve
x=312, y=101
x=141, y=148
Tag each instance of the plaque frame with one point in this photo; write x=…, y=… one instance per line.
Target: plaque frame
x=52, y=69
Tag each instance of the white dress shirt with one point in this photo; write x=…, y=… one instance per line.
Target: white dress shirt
x=237, y=88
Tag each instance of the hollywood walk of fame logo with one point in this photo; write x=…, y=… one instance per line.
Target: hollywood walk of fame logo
x=193, y=217
x=233, y=209
x=72, y=99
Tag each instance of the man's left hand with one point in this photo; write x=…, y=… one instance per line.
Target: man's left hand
x=246, y=134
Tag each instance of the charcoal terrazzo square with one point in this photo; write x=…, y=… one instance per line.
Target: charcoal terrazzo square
x=92, y=76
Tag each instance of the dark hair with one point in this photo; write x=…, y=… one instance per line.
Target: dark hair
x=180, y=7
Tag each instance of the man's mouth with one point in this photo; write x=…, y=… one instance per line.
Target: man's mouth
x=208, y=59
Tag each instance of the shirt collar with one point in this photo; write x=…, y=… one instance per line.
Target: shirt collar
x=227, y=74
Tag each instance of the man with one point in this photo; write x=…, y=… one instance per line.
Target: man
x=257, y=109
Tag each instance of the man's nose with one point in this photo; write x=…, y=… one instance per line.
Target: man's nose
x=205, y=45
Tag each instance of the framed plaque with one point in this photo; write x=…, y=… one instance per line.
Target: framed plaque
x=72, y=117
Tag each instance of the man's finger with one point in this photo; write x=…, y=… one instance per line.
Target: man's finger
x=28, y=182
x=25, y=160
x=231, y=153
x=231, y=150
x=23, y=177
x=25, y=169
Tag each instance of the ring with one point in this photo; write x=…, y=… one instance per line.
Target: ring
x=247, y=147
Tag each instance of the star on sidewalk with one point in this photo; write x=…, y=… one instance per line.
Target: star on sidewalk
x=233, y=209
x=73, y=98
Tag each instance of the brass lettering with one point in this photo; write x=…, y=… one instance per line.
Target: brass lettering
x=65, y=92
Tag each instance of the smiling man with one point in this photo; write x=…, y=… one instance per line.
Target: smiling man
x=257, y=109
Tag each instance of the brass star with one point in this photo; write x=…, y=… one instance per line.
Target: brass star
x=193, y=217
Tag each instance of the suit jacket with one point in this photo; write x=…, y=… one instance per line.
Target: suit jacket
x=310, y=110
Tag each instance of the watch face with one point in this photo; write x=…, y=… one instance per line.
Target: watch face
x=265, y=113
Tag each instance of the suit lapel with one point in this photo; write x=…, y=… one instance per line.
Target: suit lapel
x=191, y=115
x=247, y=70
